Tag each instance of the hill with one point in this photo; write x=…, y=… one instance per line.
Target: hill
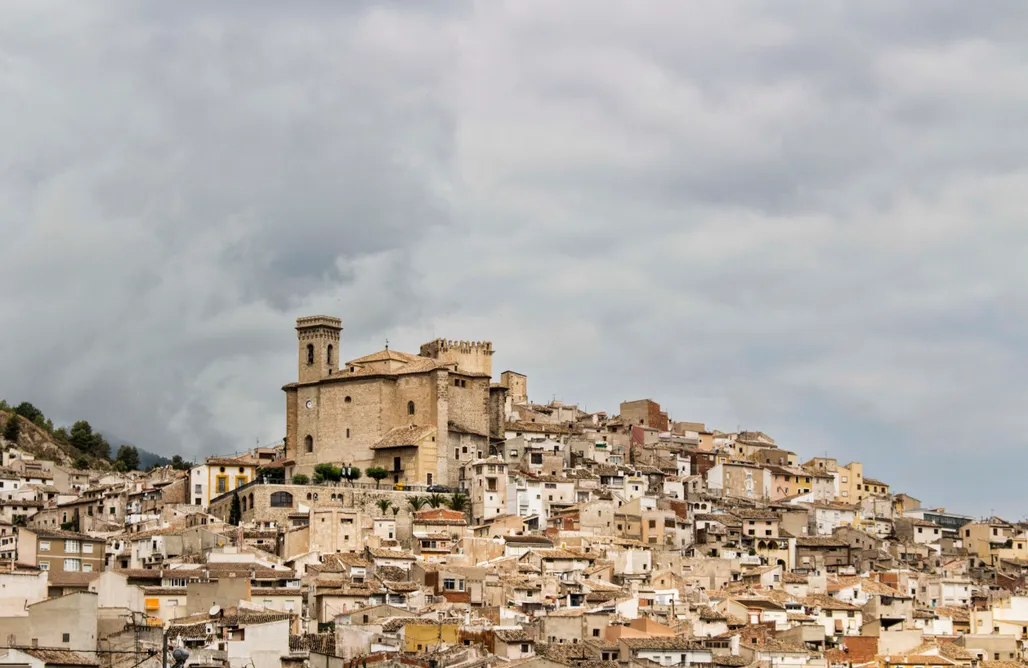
x=77, y=446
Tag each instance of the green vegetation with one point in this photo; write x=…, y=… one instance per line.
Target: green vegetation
x=13, y=428
x=458, y=502
x=127, y=459
x=384, y=505
x=377, y=473
x=327, y=472
x=235, y=513
x=300, y=479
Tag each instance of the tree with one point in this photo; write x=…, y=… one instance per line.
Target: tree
x=436, y=500
x=329, y=472
x=384, y=505
x=235, y=513
x=29, y=412
x=82, y=437
x=272, y=473
x=352, y=474
x=377, y=473
x=81, y=463
x=396, y=510
x=180, y=464
x=300, y=479
x=13, y=428
x=458, y=502
x=128, y=457
x=417, y=503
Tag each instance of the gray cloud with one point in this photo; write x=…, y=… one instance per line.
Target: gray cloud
x=803, y=219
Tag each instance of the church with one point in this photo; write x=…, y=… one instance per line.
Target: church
x=421, y=417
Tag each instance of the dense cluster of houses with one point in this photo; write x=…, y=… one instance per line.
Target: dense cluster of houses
x=570, y=540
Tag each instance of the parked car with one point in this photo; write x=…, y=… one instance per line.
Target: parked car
x=442, y=489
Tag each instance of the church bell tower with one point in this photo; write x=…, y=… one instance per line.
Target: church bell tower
x=317, y=347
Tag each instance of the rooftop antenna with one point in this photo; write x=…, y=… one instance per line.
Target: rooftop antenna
x=387, y=343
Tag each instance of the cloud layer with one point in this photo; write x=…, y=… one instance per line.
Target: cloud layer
x=802, y=219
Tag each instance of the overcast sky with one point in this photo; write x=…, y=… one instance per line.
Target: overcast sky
x=806, y=218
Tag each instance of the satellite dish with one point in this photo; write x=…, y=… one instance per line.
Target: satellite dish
x=215, y=610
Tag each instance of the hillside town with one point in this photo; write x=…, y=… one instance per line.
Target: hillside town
x=422, y=511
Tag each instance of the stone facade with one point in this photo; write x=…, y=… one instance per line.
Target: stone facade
x=338, y=415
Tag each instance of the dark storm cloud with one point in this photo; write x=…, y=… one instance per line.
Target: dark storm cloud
x=803, y=218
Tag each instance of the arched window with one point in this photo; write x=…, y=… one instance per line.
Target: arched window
x=308, y=496
x=281, y=500
x=251, y=500
x=243, y=504
x=308, y=442
x=347, y=400
x=410, y=408
x=310, y=353
x=328, y=354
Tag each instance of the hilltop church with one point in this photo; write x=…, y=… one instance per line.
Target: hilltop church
x=421, y=417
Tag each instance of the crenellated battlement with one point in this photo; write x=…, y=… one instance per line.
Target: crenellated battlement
x=459, y=346
x=310, y=321
x=470, y=356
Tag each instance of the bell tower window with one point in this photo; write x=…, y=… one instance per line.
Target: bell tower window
x=310, y=353
x=308, y=443
x=410, y=408
x=328, y=355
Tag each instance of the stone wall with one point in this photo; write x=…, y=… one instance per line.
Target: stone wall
x=305, y=497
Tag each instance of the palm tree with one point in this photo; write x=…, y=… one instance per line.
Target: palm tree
x=436, y=500
x=383, y=505
x=417, y=502
x=458, y=502
x=396, y=510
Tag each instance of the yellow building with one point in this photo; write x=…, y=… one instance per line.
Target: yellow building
x=422, y=637
x=217, y=476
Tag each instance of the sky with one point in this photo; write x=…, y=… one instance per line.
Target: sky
x=801, y=218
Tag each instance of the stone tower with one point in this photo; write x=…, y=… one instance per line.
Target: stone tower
x=469, y=356
x=317, y=347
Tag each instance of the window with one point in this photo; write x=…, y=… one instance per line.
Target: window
x=222, y=484
x=450, y=584
x=456, y=453
x=72, y=565
x=456, y=382
x=72, y=547
x=44, y=546
x=653, y=524
x=596, y=633
x=308, y=443
x=328, y=354
x=347, y=400
x=44, y=565
x=310, y=353
x=280, y=500
x=87, y=548
x=65, y=637
x=87, y=567
x=410, y=408
x=524, y=648
x=198, y=489
x=240, y=481
x=347, y=432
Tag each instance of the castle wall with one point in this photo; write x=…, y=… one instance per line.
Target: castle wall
x=469, y=405
x=470, y=356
